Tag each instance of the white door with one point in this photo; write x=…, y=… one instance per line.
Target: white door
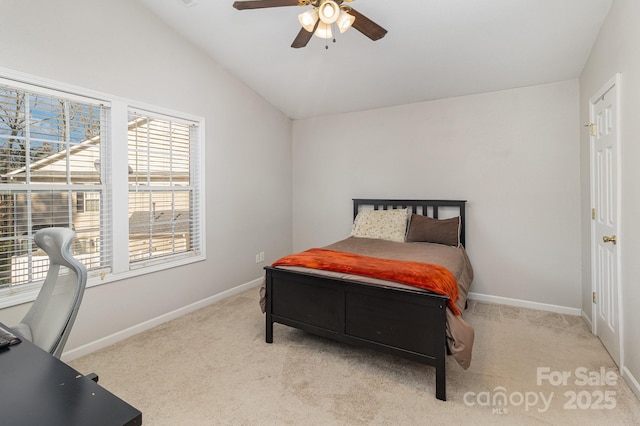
x=605, y=238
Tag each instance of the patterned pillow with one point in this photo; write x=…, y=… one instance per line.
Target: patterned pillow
x=381, y=224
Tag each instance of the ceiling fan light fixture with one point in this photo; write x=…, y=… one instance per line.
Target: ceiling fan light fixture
x=308, y=19
x=344, y=21
x=329, y=11
x=323, y=30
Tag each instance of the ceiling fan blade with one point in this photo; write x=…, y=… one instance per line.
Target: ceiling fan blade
x=304, y=36
x=259, y=4
x=366, y=26
x=302, y=39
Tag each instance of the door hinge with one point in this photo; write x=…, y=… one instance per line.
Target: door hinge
x=592, y=128
x=594, y=298
x=593, y=214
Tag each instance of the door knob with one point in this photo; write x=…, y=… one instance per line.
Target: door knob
x=611, y=239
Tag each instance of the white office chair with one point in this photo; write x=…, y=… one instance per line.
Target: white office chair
x=49, y=320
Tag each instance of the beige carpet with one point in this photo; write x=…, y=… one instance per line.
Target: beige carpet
x=213, y=367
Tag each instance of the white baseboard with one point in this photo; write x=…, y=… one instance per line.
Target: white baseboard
x=587, y=320
x=138, y=328
x=631, y=381
x=524, y=304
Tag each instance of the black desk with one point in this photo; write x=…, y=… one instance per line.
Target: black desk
x=39, y=389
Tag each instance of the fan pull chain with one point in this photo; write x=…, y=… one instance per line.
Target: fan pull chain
x=333, y=29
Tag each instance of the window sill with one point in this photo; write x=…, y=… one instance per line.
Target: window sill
x=10, y=298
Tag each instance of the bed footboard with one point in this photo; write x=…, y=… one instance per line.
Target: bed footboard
x=402, y=322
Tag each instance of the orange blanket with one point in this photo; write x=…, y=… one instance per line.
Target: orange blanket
x=435, y=278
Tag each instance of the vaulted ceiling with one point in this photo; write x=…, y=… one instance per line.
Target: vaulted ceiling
x=434, y=49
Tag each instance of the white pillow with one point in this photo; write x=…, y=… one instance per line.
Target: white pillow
x=381, y=224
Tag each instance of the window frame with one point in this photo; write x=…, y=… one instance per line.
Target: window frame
x=117, y=187
x=172, y=187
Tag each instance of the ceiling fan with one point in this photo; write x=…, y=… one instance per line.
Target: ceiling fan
x=320, y=18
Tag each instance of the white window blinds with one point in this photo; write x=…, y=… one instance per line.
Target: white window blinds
x=164, y=193
x=51, y=147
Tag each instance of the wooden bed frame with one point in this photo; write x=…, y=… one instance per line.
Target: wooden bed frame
x=404, y=322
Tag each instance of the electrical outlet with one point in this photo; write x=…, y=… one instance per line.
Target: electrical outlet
x=260, y=257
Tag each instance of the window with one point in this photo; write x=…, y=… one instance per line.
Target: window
x=48, y=145
x=162, y=194
x=87, y=202
x=56, y=169
x=92, y=201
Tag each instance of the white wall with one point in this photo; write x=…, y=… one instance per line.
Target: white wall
x=118, y=47
x=617, y=50
x=513, y=154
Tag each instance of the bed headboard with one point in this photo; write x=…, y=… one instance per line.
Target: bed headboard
x=424, y=207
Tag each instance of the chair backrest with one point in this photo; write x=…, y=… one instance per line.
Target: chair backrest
x=54, y=311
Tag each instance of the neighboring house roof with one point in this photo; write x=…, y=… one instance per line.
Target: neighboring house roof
x=55, y=157
x=162, y=223
x=59, y=158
